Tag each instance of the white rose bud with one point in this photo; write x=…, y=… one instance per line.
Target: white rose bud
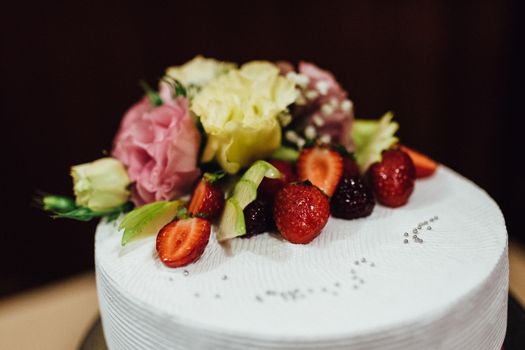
x=100, y=185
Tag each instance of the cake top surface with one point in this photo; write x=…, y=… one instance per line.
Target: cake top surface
x=358, y=277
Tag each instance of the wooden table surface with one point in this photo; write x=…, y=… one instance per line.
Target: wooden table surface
x=58, y=316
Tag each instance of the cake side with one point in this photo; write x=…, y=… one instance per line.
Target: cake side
x=356, y=285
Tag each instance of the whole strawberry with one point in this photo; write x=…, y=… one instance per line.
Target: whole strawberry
x=392, y=178
x=300, y=211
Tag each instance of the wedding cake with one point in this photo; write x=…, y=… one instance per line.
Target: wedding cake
x=246, y=207
x=358, y=286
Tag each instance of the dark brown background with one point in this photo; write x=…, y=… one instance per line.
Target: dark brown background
x=449, y=69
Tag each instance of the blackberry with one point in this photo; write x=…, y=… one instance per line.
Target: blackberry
x=256, y=217
x=352, y=199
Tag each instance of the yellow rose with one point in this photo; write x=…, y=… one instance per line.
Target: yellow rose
x=239, y=110
x=100, y=185
x=198, y=72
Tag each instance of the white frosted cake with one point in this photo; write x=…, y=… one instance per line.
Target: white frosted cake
x=362, y=284
x=246, y=207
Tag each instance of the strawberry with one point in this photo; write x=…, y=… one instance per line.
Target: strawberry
x=269, y=187
x=300, y=212
x=392, y=178
x=424, y=165
x=207, y=200
x=322, y=166
x=181, y=242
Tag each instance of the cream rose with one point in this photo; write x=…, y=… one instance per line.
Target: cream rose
x=239, y=110
x=198, y=72
x=100, y=185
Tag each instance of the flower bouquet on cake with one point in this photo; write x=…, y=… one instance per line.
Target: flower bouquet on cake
x=261, y=147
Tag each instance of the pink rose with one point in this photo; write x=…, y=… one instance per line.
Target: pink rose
x=330, y=105
x=159, y=146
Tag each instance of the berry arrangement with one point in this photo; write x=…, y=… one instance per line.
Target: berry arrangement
x=264, y=147
x=299, y=206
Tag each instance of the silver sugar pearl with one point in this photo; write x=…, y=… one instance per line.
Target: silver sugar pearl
x=363, y=260
x=405, y=241
x=185, y=273
x=405, y=234
x=414, y=230
x=429, y=228
x=372, y=265
x=224, y=278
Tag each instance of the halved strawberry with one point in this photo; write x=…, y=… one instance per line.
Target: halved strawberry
x=424, y=165
x=181, y=242
x=322, y=166
x=207, y=200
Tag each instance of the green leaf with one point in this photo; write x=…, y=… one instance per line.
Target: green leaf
x=148, y=219
x=86, y=214
x=343, y=151
x=80, y=214
x=182, y=213
x=180, y=90
x=371, y=138
x=285, y=153
x=176, y=85
x=153, y=95
x=215, y=176
x=63, y=207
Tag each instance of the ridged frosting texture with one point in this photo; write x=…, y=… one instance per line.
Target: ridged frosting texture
x=357, y=286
